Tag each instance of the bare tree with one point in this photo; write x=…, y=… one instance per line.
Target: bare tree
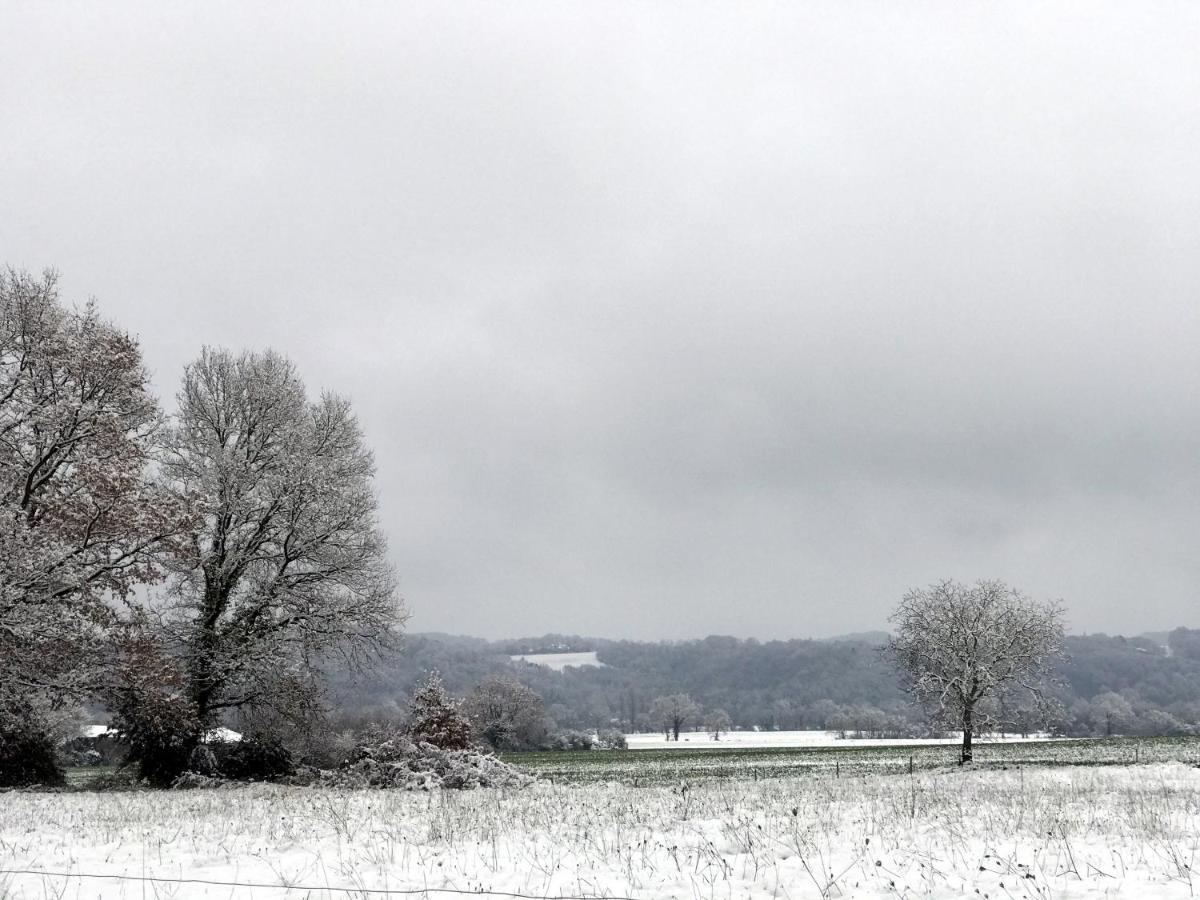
x=80, y=518
x=718, y=723
x=288, y=565
x=960, y=649
x=1113, y=710
x=674, y=711
x=507, y=714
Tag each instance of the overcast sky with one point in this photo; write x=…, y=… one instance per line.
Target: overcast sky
x=669, y=319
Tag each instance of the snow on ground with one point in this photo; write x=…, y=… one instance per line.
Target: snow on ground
x=1017, y=833
x=732, y=740
x=559, y=661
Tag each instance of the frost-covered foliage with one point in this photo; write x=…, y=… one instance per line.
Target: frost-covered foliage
x=972, y=654
x=434, y=717
x=717, y=722
x=610, y=739
x=287, y=565
x=392, y=760
x=80, y=520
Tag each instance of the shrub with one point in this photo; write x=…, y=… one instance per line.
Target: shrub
x=390, y=760
x=610, y=739
x=572, y=740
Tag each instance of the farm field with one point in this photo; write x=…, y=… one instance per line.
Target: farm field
x=1024, y=832
x=752, y=739
x=671, y=766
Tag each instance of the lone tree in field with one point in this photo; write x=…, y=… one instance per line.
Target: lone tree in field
x=961, y=649
x=718, y=723
x=287, y=566
x=673, y=712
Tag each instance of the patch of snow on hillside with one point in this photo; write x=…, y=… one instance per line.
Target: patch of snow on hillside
x=559, y=661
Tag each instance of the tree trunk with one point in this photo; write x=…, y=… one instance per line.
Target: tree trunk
x=677, y=724
x=968, y=733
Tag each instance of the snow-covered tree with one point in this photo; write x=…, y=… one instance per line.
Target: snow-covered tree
x=962, y=648
x=80, y=518
x=718, y=723
x=507, y=714
x=288, y=564
x=1112, y=713
x=435, y=718
x=672, y=712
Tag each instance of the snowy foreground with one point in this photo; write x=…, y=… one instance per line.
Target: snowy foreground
x=1036, y=833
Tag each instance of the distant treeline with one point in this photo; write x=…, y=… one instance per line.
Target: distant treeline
x=1109, y=685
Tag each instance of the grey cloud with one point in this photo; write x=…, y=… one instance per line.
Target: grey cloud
x=673, y=320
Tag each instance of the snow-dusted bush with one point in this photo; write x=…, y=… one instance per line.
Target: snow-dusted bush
x=610, y=739
x=83, y=759
x=434, y=717
x=394, y=761
x=192, y=780
x=570, y=739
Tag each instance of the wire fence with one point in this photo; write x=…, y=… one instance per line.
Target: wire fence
x=312, y=888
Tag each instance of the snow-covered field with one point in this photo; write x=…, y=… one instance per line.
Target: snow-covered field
x=559, y=661
x=1028, y=832
x=732, y=740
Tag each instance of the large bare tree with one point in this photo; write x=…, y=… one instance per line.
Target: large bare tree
x=80, y=517
x=962, y=649
x=288, y=564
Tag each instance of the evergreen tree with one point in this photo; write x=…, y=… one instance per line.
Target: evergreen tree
x=434, y=716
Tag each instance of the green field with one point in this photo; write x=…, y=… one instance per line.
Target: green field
x=82, y=776
x=651, y=767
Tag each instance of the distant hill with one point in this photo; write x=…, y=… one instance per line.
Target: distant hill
x=875, y=638
x=782, y=685
x=1158, y=637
